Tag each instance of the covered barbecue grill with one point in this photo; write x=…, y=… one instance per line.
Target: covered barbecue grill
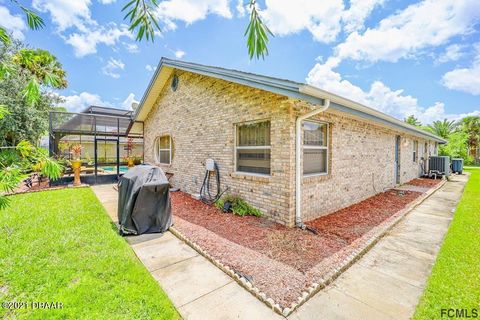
x=144, y=201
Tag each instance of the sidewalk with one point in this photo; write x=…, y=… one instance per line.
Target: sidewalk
x=389, y=280
x=386, y=283
x=196, y=287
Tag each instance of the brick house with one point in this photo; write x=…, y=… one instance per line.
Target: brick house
x=275, y=139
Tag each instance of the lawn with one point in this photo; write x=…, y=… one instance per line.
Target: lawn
x=455, y=279
x=60, y=246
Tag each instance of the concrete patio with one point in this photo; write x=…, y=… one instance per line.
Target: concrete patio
x=196, y=287
x=386, y=283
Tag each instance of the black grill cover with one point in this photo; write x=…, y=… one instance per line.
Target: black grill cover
x=144, y=201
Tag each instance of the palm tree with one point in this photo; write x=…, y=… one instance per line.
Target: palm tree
x=442, y=128
x=471, y=126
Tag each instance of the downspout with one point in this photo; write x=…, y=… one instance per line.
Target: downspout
x=298, y=149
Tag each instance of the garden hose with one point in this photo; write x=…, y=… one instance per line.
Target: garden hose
x=205, y=193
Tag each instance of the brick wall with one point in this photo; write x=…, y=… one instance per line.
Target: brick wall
x=201, y=115
x=362, y=164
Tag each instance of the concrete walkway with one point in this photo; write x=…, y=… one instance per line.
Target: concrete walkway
x=386, y=283
x=389, y=280
x=197, y=288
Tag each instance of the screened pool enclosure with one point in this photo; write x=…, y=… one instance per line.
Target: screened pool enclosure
x=108, y=138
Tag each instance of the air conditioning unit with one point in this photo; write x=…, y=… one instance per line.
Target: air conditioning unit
x=440, y=164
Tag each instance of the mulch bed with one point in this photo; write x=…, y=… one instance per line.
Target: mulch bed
x=281, y=261
x=353, y=222
x=421, y=182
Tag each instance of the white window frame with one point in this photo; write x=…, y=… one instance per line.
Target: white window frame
x=170, y=149
x=236, y=147
x=317, y=148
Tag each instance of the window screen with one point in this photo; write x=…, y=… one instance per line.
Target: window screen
x=253, y=147
x=164, y=149
x=315, y=148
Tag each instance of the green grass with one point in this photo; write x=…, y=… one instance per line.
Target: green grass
x=455, y=279
x=61, y=246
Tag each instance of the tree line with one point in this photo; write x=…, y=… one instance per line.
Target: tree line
x=463, y=136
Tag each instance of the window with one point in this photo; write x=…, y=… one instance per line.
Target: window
x=163, y=147
x=315, y=148
x=415, y=151
x=435, y=149
x=253, y=147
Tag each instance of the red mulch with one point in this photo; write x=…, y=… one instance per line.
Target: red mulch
x=299, y=249
x=292, y=246
x=353, y=222
x=422, y=182
x=283, y=262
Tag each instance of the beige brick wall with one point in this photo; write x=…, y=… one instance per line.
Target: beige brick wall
x=362, y=164
x=201, y=116
x=408, y=168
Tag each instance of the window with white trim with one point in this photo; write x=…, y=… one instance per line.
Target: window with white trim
x=163, y=149
x=252, y=148
x=315, y=148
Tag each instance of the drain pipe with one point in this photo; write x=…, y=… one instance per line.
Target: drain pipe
x=298, y=149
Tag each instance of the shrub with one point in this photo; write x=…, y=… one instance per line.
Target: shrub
x=239, y=206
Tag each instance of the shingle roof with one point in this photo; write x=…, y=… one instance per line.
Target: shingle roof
x=283, y=87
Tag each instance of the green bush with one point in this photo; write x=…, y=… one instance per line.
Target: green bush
x=239, y=206
x=457, y=147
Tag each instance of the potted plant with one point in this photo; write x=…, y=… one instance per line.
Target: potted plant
x=76, y=150
x=130, y=159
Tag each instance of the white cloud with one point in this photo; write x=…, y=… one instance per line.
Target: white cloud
x=150, y=68
x=359, y=10
x=179, y=54
x=131, y=47
x=241, y=8
x=323, y=20
x=379, y=96
x=107, y=1
x=12, y=23
x=87, y=34
x=424, y=24
x=67, y=13
x=286, y=17
x=79, y=102
x=190, y=11
x=112, y=67
x=85, y=43
x=452, y=53
x=127, y=103
x=465, y=79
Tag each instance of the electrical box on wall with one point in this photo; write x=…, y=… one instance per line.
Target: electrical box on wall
x=209, y=164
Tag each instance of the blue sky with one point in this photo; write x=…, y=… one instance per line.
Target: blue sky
x=401, y=57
